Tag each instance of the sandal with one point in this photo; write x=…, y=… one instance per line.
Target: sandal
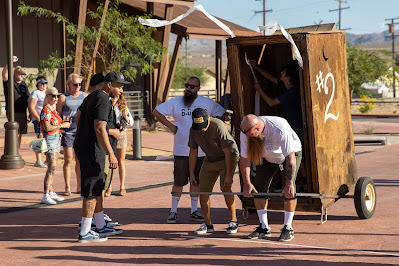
x=122, y=192
x=108, y=192
x=67, y=193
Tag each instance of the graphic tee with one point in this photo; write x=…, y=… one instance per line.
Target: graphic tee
x=39, y=96
x=182, y=116
x=280, y=140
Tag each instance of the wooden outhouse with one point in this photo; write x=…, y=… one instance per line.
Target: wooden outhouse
x=328, y=148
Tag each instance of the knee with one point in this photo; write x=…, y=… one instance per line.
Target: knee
x=225, y=189
x=121, y=162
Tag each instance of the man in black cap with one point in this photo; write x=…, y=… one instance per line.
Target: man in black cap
x=96, y=82
x=221, y=159
x=91, y=145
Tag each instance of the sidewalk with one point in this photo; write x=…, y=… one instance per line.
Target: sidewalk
x=32, y=233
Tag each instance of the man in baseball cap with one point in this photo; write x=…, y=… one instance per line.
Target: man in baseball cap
x=212, y=136
x=115, y=76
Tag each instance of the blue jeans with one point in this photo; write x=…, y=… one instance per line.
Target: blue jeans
x=53, y=142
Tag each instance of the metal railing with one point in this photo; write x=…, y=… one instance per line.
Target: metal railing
x=137, y=103
x=180, y=92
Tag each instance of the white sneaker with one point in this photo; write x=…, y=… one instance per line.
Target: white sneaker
x=55, y=197
x=48, y=200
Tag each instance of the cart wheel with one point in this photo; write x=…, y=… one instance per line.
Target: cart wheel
x=245, y=213
x=365, y=197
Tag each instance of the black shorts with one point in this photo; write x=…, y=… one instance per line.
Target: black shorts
x=266, y=172
x=92, y=173
x=181, y=170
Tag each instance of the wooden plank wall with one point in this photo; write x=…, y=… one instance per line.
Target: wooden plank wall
x=34, y=38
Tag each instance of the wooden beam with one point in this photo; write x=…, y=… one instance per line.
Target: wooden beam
x=218, y=67
x=96, y=44
x=79, y=40
x=172, y=2
x=172, y=68
x=163, y=69
x=150, y=8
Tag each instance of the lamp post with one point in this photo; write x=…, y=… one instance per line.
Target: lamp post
x=11, y=158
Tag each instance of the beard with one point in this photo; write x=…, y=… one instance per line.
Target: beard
x=255, y=149
x=189, y=98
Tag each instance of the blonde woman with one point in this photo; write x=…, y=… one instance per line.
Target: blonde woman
x=123, y=119
x=51, y=124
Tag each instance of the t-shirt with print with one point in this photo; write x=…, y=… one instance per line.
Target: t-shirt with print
x=49, y=113
x=182, y=116
x=213, y=141
x=280, y=140
x=96, y=106
x=39, y=96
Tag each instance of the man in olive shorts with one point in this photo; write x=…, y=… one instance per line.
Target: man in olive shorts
x=270, y=143
x=221, y=160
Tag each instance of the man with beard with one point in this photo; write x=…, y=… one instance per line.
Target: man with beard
x=269, y=141
x=180, y=109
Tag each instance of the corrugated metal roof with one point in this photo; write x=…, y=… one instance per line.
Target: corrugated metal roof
x=196, y=25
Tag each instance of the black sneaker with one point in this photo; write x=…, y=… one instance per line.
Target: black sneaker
x=287, y=233
x=196, y=216
x=233, y=228
x=204, y=229
x=172, y=218
x=260, y=233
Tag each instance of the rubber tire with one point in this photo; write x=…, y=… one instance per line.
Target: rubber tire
x=360, y=200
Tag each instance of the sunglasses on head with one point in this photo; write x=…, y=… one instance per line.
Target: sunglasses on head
x=190, y=86
x=246, y=131
x=54, y=95
x=77, y=84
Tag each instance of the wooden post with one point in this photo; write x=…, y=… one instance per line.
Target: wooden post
x=97, y=44
x=218, y=70
x=163, y=68
x=79, y=40
x=172, y=68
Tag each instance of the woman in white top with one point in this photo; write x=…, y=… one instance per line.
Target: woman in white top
x=35, y=106
x=123, y=119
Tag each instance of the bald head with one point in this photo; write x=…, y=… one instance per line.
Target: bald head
x=251, y=125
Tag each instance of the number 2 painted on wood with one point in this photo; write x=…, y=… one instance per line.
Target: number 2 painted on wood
x=319, y=83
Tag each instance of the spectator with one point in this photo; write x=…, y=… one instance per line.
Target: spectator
x=21, y=96
x=51, y=124
x=68, y=106
x=35, y=106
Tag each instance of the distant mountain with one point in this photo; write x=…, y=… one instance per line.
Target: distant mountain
x=377, y=37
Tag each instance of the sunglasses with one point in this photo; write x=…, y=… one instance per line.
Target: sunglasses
x=54, y=96
x=190, y=86
x=77, y=84
x=246, y=131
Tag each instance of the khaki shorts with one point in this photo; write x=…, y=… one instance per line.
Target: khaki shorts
x=211, y=171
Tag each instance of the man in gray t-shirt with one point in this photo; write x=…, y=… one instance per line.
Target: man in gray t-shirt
x=212, y=136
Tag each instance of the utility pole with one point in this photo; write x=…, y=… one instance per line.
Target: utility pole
x=340, y=9
x=264, y=11
x=392, y=31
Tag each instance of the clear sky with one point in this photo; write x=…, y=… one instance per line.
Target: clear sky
x=364, y=16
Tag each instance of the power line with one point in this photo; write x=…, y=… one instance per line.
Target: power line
x=264, y=11
x=392, y=31
x=340, y=9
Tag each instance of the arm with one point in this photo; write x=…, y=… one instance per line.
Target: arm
x=116, y=133
x=263, y=72
x=161, y=118
x=31, y=107
x=60, y=104
x=100, y=128
x=77, y=117
x=271, y=102
x=245, y=173
x=192, y=162
x=290, y=166
x=228, y=181
x=49, y=127
x=4, y=74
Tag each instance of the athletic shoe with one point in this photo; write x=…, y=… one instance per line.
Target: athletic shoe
x=287, y=233
x=204, y=229
x=109, y=222
x=48, y=200
x=196, y=216
x=55, y=197
x=93, y=224
x=40, y=164
x=233, y=228
x=108, y=231
x=172, y=218
x=91, y=236
x=260, y=233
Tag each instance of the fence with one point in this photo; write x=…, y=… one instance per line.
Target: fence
x=136, y=101
x=180, y=92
